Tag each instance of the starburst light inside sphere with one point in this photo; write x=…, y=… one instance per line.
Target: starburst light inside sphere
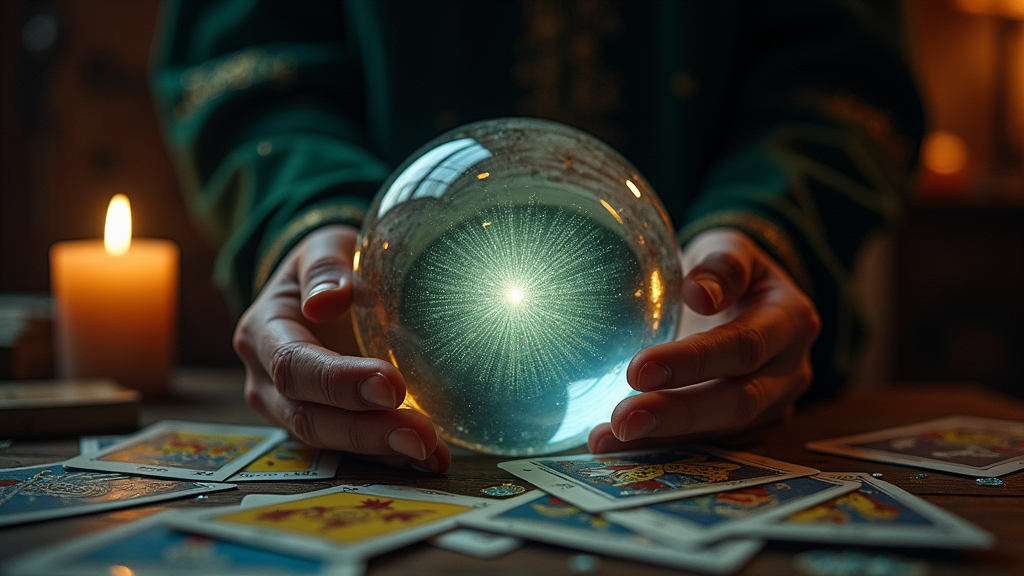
x=510, y=269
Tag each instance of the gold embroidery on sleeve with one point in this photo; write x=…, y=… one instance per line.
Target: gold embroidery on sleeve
x=203, y=83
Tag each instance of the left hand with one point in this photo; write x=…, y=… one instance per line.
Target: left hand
x=746, y=371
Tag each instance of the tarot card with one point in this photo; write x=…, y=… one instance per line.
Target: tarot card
x=959, y=444
x=876, y=514
x=87, y=444
x=339, y=523
x=630, y=479
x=712, y=517
x=149, y=546
x=545, y=518
x=291, y=460
x=184, y=450
x=477, y=543
x=51, y=491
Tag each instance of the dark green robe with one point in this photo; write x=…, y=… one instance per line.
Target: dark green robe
x=792, y=121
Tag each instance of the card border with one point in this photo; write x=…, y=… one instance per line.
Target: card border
x=33, y=516
x=959, y=533
x=204, y=522
x=841, y=446
x=593, y=500
x=65, y=558
x=722, y=558
x=90, y=461
x=674, y=531
x=325, y=467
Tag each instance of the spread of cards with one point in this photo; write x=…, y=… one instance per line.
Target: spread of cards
x=696, y=508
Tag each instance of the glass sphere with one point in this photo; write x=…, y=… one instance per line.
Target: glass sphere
x=510, y=269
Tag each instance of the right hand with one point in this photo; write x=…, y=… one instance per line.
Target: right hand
x=289, y=340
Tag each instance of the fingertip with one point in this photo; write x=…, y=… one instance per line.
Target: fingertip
x=703, y=293
x=437, y=462
x=601, y=439
x=327, y=300
x=407, y=442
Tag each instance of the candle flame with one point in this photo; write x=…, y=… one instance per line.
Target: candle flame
x=117, y=234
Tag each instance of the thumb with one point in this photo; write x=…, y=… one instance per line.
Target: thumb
x=717, y=281
x=325, y=273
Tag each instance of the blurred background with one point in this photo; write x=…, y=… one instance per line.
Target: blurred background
x=944, y=290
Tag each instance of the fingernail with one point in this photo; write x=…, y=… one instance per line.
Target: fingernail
x=652, y=375
x=639, y=423
x=407, y=441
x=429, y=465
x=712, y=287
x=378, y=391
x=322, y=287
x=606, y=444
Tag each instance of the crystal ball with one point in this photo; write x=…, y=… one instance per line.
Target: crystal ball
x=510, y=269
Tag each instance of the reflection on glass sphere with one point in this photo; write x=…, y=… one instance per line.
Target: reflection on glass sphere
x=511, y=269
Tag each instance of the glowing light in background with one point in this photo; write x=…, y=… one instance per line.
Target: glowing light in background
x=944, y=152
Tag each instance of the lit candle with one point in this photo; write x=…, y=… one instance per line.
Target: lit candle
x=116, y=305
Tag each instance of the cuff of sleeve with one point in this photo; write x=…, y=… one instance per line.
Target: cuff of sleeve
x=766, y=233
x=305, y=222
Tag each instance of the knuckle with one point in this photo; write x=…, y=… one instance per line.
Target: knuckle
x=241, y=339
x=252, y=395
x=280, y=366
x=698, y=360
x=323, y=266
x=805, y=376
x=752, y=401
x=752, y=347
x=729, y=266
x=357, y=442
x=809, y=317
x=300, y=423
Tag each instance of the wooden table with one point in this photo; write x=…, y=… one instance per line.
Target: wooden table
x=216, y=396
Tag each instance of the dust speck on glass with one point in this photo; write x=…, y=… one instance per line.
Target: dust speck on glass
x=511, y=269
x=876, y=474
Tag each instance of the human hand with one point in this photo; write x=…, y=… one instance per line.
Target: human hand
x=289, y=340
x=745, y=370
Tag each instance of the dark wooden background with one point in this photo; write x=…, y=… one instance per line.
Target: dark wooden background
x=944, y=293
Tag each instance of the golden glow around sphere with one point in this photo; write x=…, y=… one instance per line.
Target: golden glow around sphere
x=511, y=269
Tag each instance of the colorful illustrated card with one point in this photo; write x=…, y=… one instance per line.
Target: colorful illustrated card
x=51, y=491
x=545, y=518
x=712, y=517
x=630, y=479
x=150, y=547
x=876, y=514
x=293, y=461
x=959, y=444
x=339, y=523
x=184, y=450
x=290, y=460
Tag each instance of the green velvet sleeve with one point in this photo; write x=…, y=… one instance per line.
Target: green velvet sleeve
x=259, y=103
x=817, y=156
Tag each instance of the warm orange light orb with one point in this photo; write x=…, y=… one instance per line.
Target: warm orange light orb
x=944, y=153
